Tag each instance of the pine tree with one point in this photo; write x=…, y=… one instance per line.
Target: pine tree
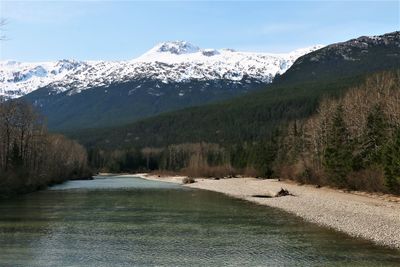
x=375, y=137
x=337, y=156
x=16, y=158
x=392, y=164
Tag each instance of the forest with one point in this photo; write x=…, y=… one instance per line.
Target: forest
x=31, y=157
x=351, y=140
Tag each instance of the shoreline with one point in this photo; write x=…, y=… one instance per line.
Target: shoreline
x=362, y=215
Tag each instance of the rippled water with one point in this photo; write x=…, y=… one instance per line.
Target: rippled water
x=120, y=221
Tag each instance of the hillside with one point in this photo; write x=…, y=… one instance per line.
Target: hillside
x=126, y=102
x=249, y=118
x=363, y=55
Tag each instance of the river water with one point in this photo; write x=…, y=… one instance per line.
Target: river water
x=128, y=221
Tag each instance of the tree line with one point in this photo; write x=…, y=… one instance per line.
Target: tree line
x=194, y=159
x=31, y=157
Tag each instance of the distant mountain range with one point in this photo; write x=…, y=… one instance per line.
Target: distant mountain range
x=169, y=62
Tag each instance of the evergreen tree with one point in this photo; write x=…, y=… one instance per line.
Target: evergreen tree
x=262, y=157
x=16, y=158
x=337, y=156
x=392, y=164
x=375, y=136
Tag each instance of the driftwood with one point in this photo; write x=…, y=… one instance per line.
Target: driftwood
x=280, y=193
x=188, y=180
x=283, y=192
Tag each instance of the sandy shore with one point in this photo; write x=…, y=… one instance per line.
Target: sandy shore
x=372, y=217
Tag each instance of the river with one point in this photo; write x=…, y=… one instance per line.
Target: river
x=128, y=221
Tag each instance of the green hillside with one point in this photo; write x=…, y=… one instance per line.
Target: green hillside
x=122, y=103
x=249, y=118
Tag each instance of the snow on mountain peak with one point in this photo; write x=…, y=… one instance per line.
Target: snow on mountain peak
x=176, y=47
x=175, y=61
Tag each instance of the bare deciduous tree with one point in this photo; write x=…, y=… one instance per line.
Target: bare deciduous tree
x=31, y=157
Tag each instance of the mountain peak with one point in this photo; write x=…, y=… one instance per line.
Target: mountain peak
x=176, y=47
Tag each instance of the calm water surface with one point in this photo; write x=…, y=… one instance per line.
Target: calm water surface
x=127, y=221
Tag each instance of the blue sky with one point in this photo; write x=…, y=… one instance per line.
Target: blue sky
x=115, y=30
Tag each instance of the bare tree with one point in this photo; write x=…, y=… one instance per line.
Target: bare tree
x=29, y=155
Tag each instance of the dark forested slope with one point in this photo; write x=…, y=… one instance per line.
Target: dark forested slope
x=125, y=102
x=247, y=118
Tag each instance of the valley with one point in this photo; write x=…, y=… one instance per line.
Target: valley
x=114, y=154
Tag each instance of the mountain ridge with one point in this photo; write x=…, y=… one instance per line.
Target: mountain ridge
x=365, y=54
x=167, y=62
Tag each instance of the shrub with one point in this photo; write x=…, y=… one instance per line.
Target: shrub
x=370, y=180
x=209, y=171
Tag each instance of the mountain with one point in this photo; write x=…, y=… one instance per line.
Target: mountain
x=169, y=62
x=18, y=79
x=257, y=116
x=366, y=54
x=170, y=76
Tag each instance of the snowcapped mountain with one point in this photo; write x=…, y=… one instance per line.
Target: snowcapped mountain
x=168, y=62
x=18, y=79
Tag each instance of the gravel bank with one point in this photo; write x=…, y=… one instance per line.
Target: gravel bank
x=365, y=216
